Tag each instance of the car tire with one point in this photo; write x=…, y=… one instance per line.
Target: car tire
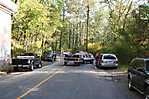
x=31, y=67
x=130, y=87
x=146, y=97
x=91, y=62
x=146, y=93
x=40, y=65
x=65, y=63
x=84, y=62
x=52, y=60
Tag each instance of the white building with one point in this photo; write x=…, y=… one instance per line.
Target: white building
x=7, y=8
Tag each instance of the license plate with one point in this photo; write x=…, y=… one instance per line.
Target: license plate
x=110, y=62
x=71, y=62
x=25, y=65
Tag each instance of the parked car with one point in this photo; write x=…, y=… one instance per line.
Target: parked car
x=138, y=76
x=72, y=59
x=49, y=56
x=80, y=56
x=27, y=60
x=86, y=57
x=106, y=60
x=91, y=57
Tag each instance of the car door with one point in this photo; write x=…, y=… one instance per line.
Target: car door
x=37, y=60
x=132, y=72
x=139, y=75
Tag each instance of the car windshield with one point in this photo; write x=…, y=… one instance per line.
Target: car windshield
x=67, y=55
x=76, y=56
x=28, y=54
x=109, y=57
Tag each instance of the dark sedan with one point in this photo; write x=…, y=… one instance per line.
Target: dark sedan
x=138, y=76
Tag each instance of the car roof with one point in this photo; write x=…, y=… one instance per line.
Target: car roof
x=30, y=54
x=108, y=54
x=142, y=58
x=77, y=53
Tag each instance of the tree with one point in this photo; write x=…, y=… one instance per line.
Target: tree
x=34, y=24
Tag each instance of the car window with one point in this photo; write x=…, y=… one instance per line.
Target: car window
x=109, y=57
x=76, y=56
x=89, y=56
x=133, y=63
x=66, y=55
x=138, y=64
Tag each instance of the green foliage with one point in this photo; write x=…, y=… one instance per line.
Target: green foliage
x=127, y=36
x=34, y=24
x=117, y=27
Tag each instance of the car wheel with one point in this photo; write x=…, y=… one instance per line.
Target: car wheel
x=32, y=67
x=146, y=97
x=54, y=58
x=130, y=84
x=146, y=93
x=91, y=62
x=65, y=63
x=84, y=62
x=40, y=65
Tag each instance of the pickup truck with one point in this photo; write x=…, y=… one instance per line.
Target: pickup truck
x=72, y=59
x=88, y=58
x=27, y=60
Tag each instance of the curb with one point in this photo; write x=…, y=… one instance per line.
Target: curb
x=3, y=73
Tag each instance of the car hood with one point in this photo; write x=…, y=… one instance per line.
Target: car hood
x=25, y=57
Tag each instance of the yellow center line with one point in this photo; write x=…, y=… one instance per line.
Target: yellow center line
x=39, y=84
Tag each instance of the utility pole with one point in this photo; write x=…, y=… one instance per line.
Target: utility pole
x=61, y=34
x=87, y=23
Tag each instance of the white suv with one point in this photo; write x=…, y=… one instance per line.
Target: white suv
x=106, y=60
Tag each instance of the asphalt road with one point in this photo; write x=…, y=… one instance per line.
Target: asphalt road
x=66, y=82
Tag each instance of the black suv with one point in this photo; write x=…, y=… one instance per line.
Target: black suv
x=49, y=56
x=138, y=76
x=27, y=60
